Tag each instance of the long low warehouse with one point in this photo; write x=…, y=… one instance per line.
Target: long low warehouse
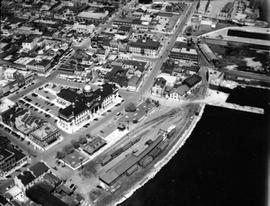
x=110, y=176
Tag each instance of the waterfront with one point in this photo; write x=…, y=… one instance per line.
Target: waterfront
x=222, y=163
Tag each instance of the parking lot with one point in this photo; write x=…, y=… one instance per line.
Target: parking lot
x=41, y=103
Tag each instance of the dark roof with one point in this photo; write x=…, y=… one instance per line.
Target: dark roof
x=26, y=177
x=136, y=21
x=67, y=94
x=4, y=153
x=3, y=200
x=82, y=101
x=124, y=28
x=118, y=76
x=182, y=89
x=52, y=179
x=41, y=196
x=145, y=44
x=193, y=80
x=160, y=82
x=39, y=169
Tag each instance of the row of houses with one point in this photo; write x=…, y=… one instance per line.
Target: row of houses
x=38, y=131
x=11, y=158
x=163, y=88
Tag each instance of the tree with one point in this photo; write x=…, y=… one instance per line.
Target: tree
x=157, y=103
x=148, y=101
x=206, y=6
x=75, y=144
x=68, y=149
x=189, y=30
x=130, y=107
x=60, y=155
x=83, y=140
x=198, y=5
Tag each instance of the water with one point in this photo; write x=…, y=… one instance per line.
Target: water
x=250, y=96
x=222, y=163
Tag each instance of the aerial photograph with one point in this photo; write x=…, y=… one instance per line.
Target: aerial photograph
x=135, y=103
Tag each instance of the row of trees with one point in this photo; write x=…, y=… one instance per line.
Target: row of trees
x=131, y=107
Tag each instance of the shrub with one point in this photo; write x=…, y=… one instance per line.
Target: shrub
x=83, y=140
x=68, y=149
x=60, y=155
x=130, y=107
x=75, y=144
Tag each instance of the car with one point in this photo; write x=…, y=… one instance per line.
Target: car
x=96, y=119
x=75, y=187
x=118, y=113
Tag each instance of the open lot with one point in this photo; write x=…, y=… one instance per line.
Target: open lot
x=142, y=110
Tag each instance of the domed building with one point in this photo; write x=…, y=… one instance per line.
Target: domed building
x=87, y=90
x=85, y=106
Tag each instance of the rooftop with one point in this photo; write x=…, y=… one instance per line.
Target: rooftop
x=111, y=175
x=145, y=43
x=26, y=177
x=193, y=80
x=92, y=14
x=44, y=131
x=84, y=101
x=39, y=169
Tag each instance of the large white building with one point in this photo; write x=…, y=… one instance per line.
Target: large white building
x=146, y=47
x=85, y=106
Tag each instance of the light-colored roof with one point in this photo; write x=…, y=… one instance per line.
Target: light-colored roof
x=93, y=15
x=42, y=132
x=170, y=80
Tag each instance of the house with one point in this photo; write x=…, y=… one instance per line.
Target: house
x=52, y=180
x=17, y=193
x=39, y=169
x=30, y=42
x=158, y=87
x=192, y=81
x=10, y=157
x=25, y=180
x=178, y=92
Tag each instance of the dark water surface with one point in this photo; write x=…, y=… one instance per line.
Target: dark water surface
x=222, y=163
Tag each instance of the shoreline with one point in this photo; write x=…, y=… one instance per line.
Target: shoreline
x=158, y=166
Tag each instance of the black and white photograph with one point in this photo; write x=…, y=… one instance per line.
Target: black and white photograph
x=135, y=103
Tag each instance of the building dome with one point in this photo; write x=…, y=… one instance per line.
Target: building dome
x=87, y=88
